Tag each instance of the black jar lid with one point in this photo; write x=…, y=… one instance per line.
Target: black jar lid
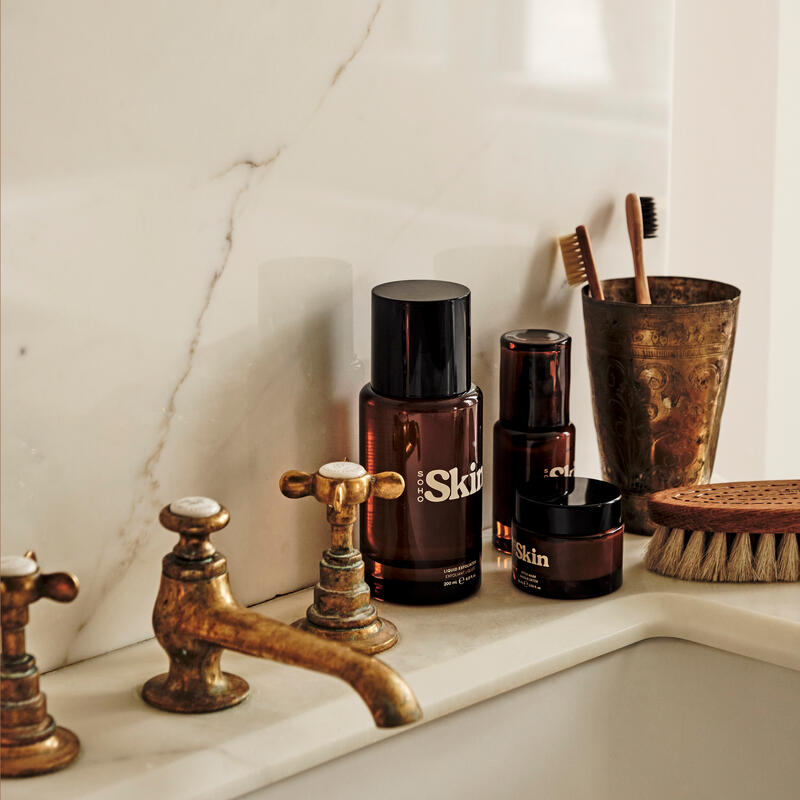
x=570, y=507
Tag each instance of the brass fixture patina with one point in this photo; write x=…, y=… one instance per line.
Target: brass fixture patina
x=196, y=617
x=342, y=610
x=31, y=742
x=659, y=374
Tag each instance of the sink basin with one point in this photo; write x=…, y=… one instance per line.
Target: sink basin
x=663, y=718
x=664, y=689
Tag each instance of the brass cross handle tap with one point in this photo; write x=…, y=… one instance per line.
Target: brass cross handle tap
x=342, y=609
x=342, y=486
x=31, y=742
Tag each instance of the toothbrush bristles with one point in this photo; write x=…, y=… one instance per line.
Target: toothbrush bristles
x=649, y=217
x=574, y=264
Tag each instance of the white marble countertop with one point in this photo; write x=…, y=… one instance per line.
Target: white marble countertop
x=452, y=656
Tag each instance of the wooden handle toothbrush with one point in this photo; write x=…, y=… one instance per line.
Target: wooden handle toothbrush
x=576, y=250
x=633, y=213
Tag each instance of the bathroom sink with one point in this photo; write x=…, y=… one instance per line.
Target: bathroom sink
x=663, y=689
x=663, y=718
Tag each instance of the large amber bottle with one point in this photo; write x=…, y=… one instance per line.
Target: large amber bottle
x=421, y=416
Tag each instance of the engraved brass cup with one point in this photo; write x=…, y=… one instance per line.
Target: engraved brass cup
x=659, y=374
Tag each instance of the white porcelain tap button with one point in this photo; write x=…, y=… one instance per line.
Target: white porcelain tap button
x=342, y=470
x=17, y=566
x=196, y=507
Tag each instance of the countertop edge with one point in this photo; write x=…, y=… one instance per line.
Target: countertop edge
x=529, y=656
x=553, y=637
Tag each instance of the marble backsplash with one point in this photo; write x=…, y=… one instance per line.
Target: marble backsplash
x=197, y=199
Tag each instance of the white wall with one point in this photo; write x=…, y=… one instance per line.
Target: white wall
x=197, y=199
x=783, y=389
x=727, y=199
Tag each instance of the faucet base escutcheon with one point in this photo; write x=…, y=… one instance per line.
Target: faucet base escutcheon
x=342, y=611
x=162, y=693
x=50, y=754
x=373, y=639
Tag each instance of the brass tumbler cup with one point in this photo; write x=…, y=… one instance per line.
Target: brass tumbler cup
x=659, y=374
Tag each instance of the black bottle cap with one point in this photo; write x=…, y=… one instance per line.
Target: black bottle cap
x=420, y=339
x=534, y=379
x=570, y=507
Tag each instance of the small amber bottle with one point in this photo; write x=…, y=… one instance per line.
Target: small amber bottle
x=533, y=438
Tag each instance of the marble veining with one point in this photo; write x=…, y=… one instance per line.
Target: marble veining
x=150, y=484
x=356, y=50
x=146, y=502
x=118, y=555
x=196, y=205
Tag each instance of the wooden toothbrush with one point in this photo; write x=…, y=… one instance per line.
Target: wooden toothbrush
x=576, y=250
x=633, y=213
x=649, y=217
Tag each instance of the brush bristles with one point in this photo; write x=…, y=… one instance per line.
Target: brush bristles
x=574, y=262
x=656, y=544
x=705, y=556
x=766, y=568
x=740, y=560
x=714, y=563
x=692, y=558
x=788, y=558
x=672, y=552
x=649, y=217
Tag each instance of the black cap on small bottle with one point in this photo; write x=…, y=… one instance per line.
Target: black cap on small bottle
x=571, y=507
x=420, y=339
x=534, y=379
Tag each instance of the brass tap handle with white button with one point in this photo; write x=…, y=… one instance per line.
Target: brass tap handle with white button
x=32, y=743
x=342, y=609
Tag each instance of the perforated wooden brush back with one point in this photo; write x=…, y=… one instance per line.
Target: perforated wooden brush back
x=743, y=507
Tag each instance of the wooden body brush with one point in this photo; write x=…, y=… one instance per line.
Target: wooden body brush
x=734, y=532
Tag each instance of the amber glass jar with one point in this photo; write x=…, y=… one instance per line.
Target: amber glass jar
x=567, y=538
x=421, y=416
x=533, y=438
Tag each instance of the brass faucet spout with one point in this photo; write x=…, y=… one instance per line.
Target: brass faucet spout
x=196, y=619
x=387, y=695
